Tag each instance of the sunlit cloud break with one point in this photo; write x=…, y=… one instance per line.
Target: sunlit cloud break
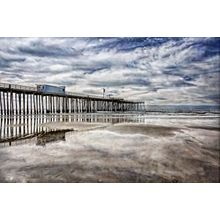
x=154, y=70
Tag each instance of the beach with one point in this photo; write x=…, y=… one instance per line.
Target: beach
x=116, y=148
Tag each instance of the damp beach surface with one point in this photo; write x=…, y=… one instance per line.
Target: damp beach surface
x=111, y=148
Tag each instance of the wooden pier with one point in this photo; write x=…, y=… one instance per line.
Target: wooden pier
x=25, y=100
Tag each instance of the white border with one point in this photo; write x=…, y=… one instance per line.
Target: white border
x=109, y=201
x=68, y=18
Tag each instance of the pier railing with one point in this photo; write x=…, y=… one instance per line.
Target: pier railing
x=34, y=89
x=17, y=87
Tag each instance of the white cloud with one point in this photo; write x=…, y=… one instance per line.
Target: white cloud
x=174, y=71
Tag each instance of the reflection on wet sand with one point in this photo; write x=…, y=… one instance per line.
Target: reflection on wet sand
x=17, y=129
x=131, y=148
x=52, y=136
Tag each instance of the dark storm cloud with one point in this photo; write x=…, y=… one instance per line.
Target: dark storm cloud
x=157, y=70
x=214, y=97
x=129, y=43
x=40, y=49
x=120, y=83
x=4, y=62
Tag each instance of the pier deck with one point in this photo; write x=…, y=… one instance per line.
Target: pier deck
x=17, y=100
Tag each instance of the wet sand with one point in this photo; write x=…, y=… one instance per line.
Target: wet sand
x=74, y=126
x=158, y=150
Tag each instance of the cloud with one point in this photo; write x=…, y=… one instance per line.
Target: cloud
x=155, y=70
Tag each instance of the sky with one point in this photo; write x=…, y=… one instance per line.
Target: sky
x=153, y=70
